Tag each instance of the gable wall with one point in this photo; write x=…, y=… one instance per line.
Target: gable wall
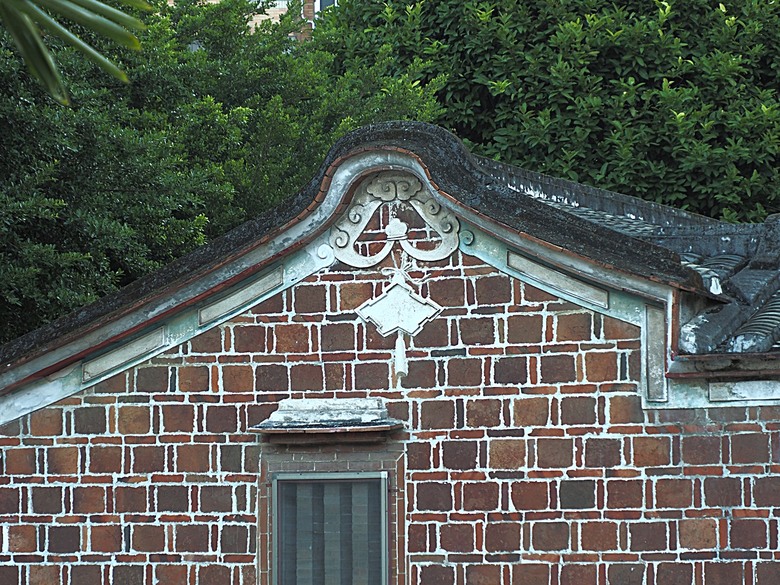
x=527, y=455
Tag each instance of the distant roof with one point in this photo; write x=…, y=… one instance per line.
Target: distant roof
x=732, y=269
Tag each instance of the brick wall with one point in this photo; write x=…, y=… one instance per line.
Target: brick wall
x=528, y=460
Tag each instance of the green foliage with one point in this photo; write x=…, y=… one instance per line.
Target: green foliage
x=217, y=124
x=672, y=101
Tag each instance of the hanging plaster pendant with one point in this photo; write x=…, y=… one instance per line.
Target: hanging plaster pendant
x=399, y=309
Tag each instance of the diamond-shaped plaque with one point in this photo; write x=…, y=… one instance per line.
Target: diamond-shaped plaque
x=399, y=308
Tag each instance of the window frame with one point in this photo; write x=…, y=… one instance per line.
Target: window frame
x=384, y=484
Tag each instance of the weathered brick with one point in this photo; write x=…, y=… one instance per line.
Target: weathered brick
x=477, y=330
x=178, y=418
x=22, y=538
x=625, y=409
x=457, y=537
x=271, y=378
x=128, y=574
x=235, y=539
x=652, y=451
x=767, y=573
x=193, y=458
x=502, y=536
x=306, y=377
x=767, y=491
x=530, y=574
x=750, y=448
x=701, y=449
x=133, y=420
x=89, y=500
x=602, y=452
x=483, y=574
x=434, y=334
x=530, y=412
x=437, y=414
x=106, y=538
x=292, y=338
x=354, y=294
x=422, y=374
x=530, y=495
x=152, y=379
x=648, y=536
x=148, y=459
x=434, y=496
x=480, y=496
x=45, y=574
x=574, y=327
x=448, y=292
x=578, y=410
x=493, y=290
x=459, y=454
x=10, y=574
x=575, y=574
x=601, y=366
x=191, y=538
x=626, y=574
x=214, y=575
x=624, y=493
x=550, y=535
x=193, y=378
x=105, y=459
x=221, y=419
x=464, y=372
x=372, y=376
x=310, y=298
x=748, y=533
x=216, y=499
x=418, y=455
x=723, y=573
x=554, y=452
x=525, y=329
x=130, y=499
x=149, y=537
x=172, y=498
x=64, y=539
x=90, y=420
x=673, y=493
x=86, y=575
x=238, y=379
x=46, y=422
x=20, y=461
x=577, y=494
x=338, y=337
x=249, y=338
x=210, y=341
x=437, y=575
x=723, y=491
x=674, y=574
x=697, y=533
x=484, y=412
x=600, y=536
x=511, y=370
x=557, y=368
x=507, y=453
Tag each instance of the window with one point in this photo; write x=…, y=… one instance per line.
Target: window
x=330, y=528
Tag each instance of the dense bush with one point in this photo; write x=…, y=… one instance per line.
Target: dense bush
x=217, y=124
x=674, y=101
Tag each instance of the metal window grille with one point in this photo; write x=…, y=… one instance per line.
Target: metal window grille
x=330, y=529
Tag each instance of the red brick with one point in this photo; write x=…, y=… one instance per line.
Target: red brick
x=249, y=338
x=47, y=500
x=90, y=420
x=615, y=329
x=133, y=420
x=209, y=341
x=221, y=419
x=767, y=491
x=457, y=537
x=768, y=573
x=507, y=453
x=148, y=459
x=557, y=368
x=310, y=298
x=106, y=538
x=62, y=460
x=577, y=494
x=530, y=574
x=437, y=414
x=338, y=337
x=422, y=374
x=493, y=290
x=750, y=448
x=149, y=538
x=22, y=538
x=20, y=461
x=216, y=499
x=701, y=450
x=698, y=533
x=648, y=536
x=601, y=366
x=418, y=456
x=625, y=494
x=271, y=378
x=572, y=574
x=64, y=539
x=46, y=422
x=464, y=372
x=437, y=575
x=9, y=500
x=172, y=498
x=193, y=378
x=602, y=452
x=511, y=370
x=192, y=538
x=238, y=379
x=448, y=292
x=625, y=409
x=128, y=574
x=372, y=376
x=459, y=454
x=105, y=459
x=193, y=458
x=44, y=575
x=178, y=418
x=483, y=574
x=130, y=499
x=599, y=535
x=502, y=536
x=237, y=539
x=674, y=574
x=723, y=573
x=274, y=304
x=354, y=294
x=550, y=536
x=10, y=574
x=306, y=377
x=530, y=495
x=626, y=574
x=574, y=327
x=477, y=330
x=434, y=496
x=652, y=451
x=292, y=338
x=525, y=329
x=531, y=412
x=214, y=575
x=723, y=491
x=750, y=534
x=480, y=496
x=434, y=334
x=89, y=500
x=578, y=410
x=673, y=493
x=152, y=379
x=537, y=295
x=86, y=575
x=556, y=453
x=484, y=412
